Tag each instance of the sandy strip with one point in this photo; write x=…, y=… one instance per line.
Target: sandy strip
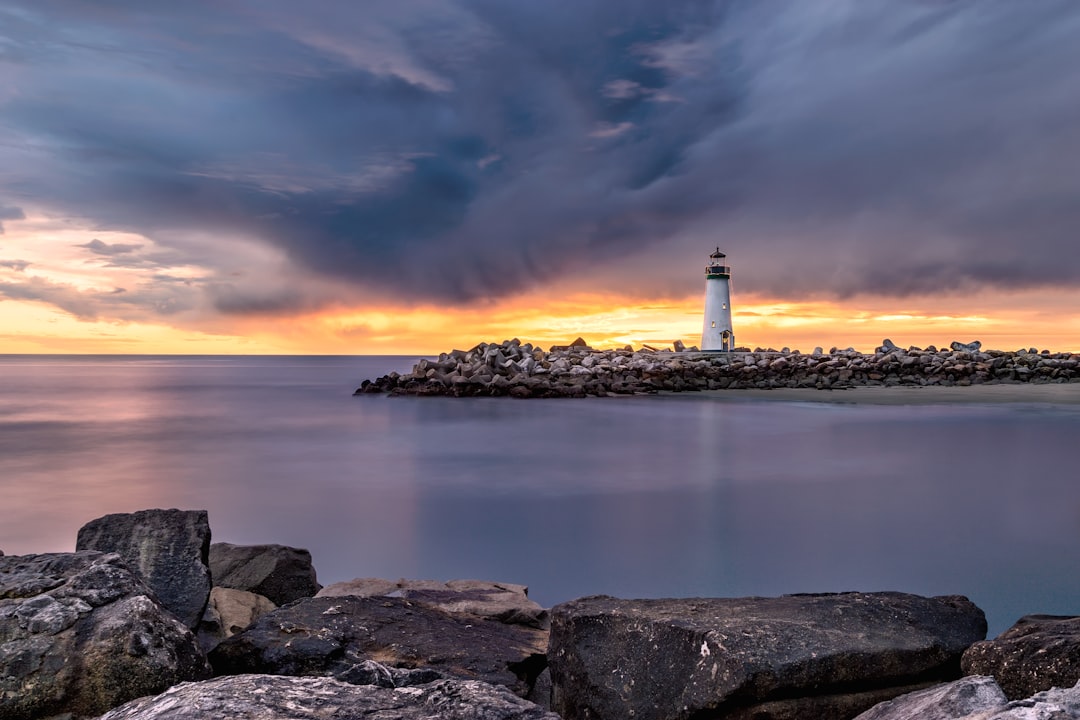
x=1063, y=394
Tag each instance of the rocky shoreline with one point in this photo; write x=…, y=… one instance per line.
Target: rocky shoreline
x=147, y=620
x=515, y=369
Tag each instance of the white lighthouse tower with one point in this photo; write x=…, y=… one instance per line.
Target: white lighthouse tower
x=717, y=333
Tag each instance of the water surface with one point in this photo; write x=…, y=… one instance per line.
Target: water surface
x=722, y=495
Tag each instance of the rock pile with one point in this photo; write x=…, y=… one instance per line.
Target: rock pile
x=86, y=632
x=521, y=370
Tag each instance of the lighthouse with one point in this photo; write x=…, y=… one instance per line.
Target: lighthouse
x=717, y=333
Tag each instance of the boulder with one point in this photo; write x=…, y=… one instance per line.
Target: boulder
x=819, y=656
x=1037, y=653
x=887, y=346
x=982, y=699
x=951, y=701
x=970, y=347
x=328, y=636
x=277, y=572
x=228, y=612
x=504, y=602
x=263, y=697
x=167, y=548
x=81, y=633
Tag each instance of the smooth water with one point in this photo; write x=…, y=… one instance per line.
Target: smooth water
x=635, y=497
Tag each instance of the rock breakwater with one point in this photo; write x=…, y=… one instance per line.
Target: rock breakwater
x=521, y=370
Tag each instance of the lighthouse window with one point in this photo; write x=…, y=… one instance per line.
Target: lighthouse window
x=714, y=323
x=725, y=306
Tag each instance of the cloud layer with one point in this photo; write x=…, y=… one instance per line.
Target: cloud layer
x=452, y=151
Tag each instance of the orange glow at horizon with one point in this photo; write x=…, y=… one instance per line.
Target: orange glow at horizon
x=1019, y=320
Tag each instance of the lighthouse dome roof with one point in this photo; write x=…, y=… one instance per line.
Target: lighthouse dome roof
x=718, y=254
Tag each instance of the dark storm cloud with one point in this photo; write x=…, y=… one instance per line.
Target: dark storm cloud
x=457, y=150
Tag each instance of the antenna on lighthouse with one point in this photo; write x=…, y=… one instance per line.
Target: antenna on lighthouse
x=717, y=333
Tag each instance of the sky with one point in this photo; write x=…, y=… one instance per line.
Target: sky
x=407, y=176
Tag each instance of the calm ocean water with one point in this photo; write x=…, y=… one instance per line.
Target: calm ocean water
x=636, y=497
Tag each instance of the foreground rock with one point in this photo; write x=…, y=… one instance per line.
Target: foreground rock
x=798, y=656
x=521, y=370
x=331, y=636
x=277, y=572
x=229, y=612
x=502, y=602
x=978, y=698
x=959, y=699
x=1037, y=653
x=81, y=633
x=167, y=548
x=262, y=697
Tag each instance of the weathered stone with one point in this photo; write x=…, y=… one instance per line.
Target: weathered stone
x=277, y=572
x=329, y=635
x=228, y=612
x=970, y=347
x=952, y=701
x=794, y=656
x=81, y=633
x=262, y=697
x=1037, y=653
x=504, y=602
x=167, y=548
x=1053, y=704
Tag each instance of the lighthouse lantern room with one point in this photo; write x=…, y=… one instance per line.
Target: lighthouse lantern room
x=717, y=333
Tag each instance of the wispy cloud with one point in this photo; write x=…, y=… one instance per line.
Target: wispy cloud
x=109, y=250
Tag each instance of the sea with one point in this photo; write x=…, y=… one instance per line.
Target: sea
x=681, y=495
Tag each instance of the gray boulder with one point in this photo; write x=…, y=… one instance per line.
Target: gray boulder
x=795, y=656
x=504, y=602
x=229, y=612
x=978, y=698
x=167, y=548
x=1037, y=653
x=277, y=572
x=263, y=697
x=329, y=636
x=970, y=347
x=952, y=701
x=81, y=633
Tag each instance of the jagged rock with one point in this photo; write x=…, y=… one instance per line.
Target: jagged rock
x=329, y=635
x=951, y=701
x=81, y=633
x=679, y=346
x=1054, y=704
x=795, y=656
x=1036, y=653
x=228, y=612
x=167, y=548
x=503, y=602
x=277, y=572
x=263, y=697
x=970, y=347
x=887, y=346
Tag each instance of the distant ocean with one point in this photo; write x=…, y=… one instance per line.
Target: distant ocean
x=635, y=497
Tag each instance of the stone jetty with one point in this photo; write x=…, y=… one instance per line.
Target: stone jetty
x=99, y=634
x=522, y=370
